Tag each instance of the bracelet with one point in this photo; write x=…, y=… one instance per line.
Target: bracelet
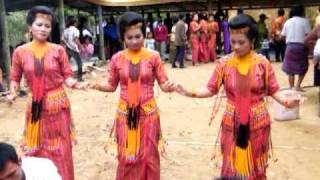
x=193, y=93
x=286, y=103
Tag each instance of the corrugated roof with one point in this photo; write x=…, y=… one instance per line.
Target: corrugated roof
x=134, y=2
x=119, y=6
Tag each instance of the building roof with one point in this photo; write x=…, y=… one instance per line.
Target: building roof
x=119, y=6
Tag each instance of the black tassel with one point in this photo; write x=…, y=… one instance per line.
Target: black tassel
x=243, y=135
x=36, y=109
x=133, y=116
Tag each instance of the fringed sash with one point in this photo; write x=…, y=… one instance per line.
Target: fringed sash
x=33, y=126
x=129, y=142
x=53, y=102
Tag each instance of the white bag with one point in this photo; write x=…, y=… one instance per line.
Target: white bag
x=316, y=50
x=282, y=113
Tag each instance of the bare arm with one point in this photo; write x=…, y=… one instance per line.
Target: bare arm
x=72, y=83
x=287, y=102
x=103, y=86
x=203, y=92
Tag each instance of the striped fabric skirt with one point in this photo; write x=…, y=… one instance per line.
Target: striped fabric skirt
x=138, y=149
x=253, y=163
x=295, y=59
x=51, y=136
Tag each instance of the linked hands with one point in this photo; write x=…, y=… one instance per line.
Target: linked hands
x=182, y=90
x=168, y=86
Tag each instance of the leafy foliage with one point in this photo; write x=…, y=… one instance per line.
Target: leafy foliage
x=16, y=27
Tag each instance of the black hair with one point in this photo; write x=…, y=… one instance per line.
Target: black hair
x=297, y=10
x=239, y=11
x=7, y=153
x=71, y=21
x=82, y=22
x=31, y=16
x=280, y=11
x=243, y=20
x=181, y=16
x=175, y=19
x=129, y=19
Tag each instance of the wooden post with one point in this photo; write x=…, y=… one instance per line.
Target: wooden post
x=101, y=35
x=5, y=41
x=62, y=23
x=210, y=7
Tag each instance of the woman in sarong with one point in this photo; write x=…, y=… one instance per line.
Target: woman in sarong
x=45, y=66
x=296, y=56
x=137, y=122
x=213, y=29
x=195, y=38
x=247, y=78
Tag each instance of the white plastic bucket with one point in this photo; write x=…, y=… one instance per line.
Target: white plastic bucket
x=281, y=113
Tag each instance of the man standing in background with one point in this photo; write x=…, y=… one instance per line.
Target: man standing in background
x=180, y=42
x=279, y=42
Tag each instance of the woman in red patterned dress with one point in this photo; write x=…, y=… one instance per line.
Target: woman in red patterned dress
x=137, y=123
x=46, y=68
x=247, y=78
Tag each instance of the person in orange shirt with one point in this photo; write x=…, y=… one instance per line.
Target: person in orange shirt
x=194, y=37
x=279, y=43
x=204, y=55
x=213, y=28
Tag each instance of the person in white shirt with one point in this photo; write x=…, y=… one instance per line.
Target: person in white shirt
x=27, y=168
x=149, y=42
x=296, y=56
x=71, y=40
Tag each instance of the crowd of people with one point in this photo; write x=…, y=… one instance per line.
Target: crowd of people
x=246, y=75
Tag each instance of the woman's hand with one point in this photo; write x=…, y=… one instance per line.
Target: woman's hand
x=94, y=85
x=11, y=97
x=168, y=86
x=182, y=90
x=293, y=102
x=82, y=86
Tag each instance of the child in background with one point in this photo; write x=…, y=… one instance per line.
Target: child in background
x=149, y=41
x=265, y=46
x=87, y=49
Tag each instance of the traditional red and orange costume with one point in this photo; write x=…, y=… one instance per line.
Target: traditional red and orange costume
x=137, y=123
x=195, y=41
x=48, y=128
x=213, y=29
x=245, y=128
x=204, y=37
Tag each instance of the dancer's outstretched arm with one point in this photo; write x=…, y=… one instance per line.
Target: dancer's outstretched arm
x=203, y=92
x=102, y=86
x=287, y=102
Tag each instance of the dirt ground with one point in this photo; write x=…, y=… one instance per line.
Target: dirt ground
x=185, y=126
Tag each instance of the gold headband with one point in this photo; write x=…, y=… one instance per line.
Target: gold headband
x=239, y=31
x=45, y=16
x=136, y=26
